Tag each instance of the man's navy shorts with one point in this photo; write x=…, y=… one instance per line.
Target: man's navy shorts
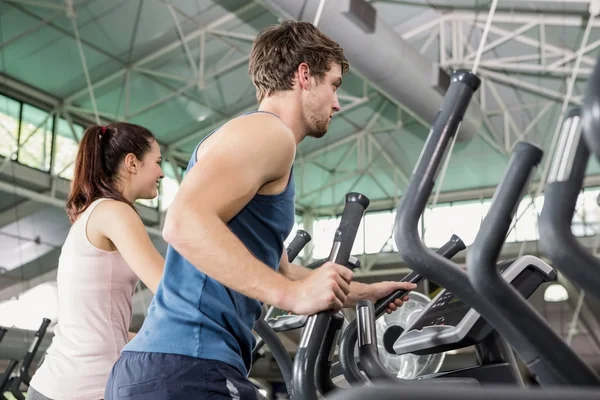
x=159, y=376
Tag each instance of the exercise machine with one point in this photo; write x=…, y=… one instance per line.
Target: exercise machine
x=277, y=321
x=565, y=179
x=13, y=383
x=349, y=366
x=448, y=323
x=499, y=303
x=389, y=391
x=311, y=364
x=545, y=354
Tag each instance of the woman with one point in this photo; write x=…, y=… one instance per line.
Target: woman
x=105, y=253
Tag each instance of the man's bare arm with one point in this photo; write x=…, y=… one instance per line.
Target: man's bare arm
x=358, y=291
x=231, y=168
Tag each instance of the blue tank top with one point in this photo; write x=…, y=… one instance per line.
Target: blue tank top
x=194, y=315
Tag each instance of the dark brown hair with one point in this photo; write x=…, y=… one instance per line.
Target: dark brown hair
x=99, y=157
x=278, y=50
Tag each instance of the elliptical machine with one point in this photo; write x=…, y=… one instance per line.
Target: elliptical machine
x=544, y=353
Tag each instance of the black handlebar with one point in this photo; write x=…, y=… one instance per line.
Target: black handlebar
x=3, y=331
x=437, y=268
x=591, y=112
x=563, y=186
x=448, y=250
x=28, y=359
x=317, y=325
x=297, y=244
x=549, y=357
x=412, y=250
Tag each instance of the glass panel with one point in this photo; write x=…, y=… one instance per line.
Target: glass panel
x=578, y=223
x=465, y=220
x=28, y=309
x=378, y=231
x=590, y=211
x=323, y=233
x=526, y=228
x=9, y=126
x=35, y=143
x=359, y=241
x=438, y=227
x=66, y=148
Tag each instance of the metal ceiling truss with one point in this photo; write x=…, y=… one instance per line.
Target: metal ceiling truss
x=454, y=51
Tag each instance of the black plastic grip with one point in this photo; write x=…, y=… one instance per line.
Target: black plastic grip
x=448, y=250
x=564, y=183
x=297, y=244
x=343, y=241
x=591, y=111
x=547, y=355
x=317, y=325
x=382, y=304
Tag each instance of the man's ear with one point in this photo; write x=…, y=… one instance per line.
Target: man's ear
x=303, y=76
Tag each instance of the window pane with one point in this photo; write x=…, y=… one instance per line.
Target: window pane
x=9, y=126
x=526, y=228
x=438, y=228
x=66, y=148
x=592, y=211
x=323, y=233
x=589, y=210
x=465, y=220
x=359, y=241
x=35, y=142
x=578, y=227
x=378, y=230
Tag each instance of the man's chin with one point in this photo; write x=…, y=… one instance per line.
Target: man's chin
x=317, y=135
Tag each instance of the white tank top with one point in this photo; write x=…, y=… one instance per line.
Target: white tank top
x=95, y=289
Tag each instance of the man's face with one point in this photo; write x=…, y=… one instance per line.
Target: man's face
x=322, y=102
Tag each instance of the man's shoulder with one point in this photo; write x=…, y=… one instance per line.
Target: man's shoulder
x=259, y=123
x=258, y=132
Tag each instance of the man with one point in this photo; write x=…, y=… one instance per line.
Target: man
x=226, y=228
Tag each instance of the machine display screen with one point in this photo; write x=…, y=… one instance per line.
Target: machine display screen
x=448, y=309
